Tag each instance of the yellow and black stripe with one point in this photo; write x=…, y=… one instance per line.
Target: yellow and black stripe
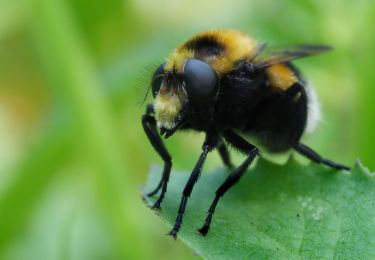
x=222, y=49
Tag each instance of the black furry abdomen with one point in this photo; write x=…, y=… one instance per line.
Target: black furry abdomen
x=248, y=104
x=280, y=120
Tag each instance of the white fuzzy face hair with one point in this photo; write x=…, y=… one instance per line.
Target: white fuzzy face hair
x=167, y=107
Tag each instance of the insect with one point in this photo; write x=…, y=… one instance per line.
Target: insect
x=225, y=84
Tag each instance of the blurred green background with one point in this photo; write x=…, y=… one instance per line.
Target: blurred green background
x=73, y=74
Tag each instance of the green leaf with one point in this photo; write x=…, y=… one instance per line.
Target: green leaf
x=280, y=212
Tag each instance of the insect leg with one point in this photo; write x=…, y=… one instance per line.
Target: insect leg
x=234, y=177
x=149, y=126
x=314, y=156
x=224, y=154
x=209, y=144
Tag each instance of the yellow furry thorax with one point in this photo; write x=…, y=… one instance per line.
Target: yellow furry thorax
x=237, y=46
x=167, y=108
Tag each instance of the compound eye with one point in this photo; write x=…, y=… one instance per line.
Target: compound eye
x=157, y=78
x=201, y=82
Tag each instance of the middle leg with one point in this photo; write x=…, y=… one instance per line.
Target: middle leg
x=224, y=154
x=251, y=151
x=209, y=144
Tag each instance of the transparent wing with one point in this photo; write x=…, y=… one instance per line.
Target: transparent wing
x=274, y=55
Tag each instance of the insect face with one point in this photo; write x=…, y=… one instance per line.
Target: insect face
x=177, y=92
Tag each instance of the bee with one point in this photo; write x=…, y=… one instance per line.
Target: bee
x=230, y=87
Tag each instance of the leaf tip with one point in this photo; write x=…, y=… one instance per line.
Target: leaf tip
x=359, y=168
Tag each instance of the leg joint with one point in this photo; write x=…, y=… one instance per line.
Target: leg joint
x=211, y=141
x=149, y=109
x=147, y=118
x=254, y=151
x=168, y=160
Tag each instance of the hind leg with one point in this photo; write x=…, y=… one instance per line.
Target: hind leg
x=313, y=156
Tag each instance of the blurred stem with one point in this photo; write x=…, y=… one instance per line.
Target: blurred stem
x=73, y=74
x=31, y=179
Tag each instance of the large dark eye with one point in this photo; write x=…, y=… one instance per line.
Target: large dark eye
x=201, y=82
x=157, y=78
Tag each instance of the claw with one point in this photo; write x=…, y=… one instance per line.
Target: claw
x=156, y=206
x=173, y=233
x=203, y=230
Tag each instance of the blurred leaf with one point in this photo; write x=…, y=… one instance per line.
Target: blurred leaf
x=12, y=16
x=279, y=212
x=72, y=72
x=31, y=180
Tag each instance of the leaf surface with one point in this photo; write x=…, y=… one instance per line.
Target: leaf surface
x=292, y=211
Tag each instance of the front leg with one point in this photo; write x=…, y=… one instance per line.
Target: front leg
x=209, y=144
x=149, y=126
x=251, y=151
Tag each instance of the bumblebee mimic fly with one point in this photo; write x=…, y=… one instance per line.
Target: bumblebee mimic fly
x=227, y=85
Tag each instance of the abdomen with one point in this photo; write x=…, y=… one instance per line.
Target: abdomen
x=281, y=117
